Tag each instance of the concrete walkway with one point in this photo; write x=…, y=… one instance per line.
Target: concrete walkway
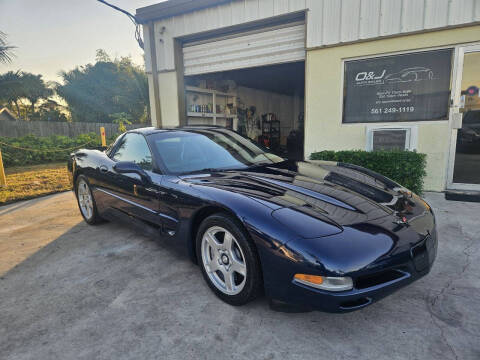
x=72, y=291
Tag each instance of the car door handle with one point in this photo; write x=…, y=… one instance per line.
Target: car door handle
x=158, y=192
x=103, y=169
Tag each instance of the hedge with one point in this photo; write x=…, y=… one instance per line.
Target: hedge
x=404, y=167
x=33, y=150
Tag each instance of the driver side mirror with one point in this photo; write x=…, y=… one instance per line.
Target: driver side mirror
x=127, y=167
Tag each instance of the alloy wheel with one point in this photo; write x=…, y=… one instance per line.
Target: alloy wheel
x=85, y=199
x=223, y=260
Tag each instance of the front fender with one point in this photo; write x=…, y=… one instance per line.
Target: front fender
x=257, y=218
x=268, y=234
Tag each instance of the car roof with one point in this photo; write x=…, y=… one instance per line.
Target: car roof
x=154, y=130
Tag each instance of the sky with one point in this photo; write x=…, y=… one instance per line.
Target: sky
x=55, y=35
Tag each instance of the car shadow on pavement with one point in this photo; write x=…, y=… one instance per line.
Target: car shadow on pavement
x=109, y=292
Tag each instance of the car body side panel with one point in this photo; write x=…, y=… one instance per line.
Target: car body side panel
x=116, y=192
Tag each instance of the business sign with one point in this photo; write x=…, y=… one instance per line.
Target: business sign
x=407, y=87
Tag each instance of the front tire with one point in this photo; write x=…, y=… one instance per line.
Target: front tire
x=228, y=260
x=86, y=201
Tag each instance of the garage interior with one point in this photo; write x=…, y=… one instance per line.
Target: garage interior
x=263, y=103
x=252, y=81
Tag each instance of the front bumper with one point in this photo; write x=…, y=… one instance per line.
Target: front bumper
x=346, y=301
x=370, y=285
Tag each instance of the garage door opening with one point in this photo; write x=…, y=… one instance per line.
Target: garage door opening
x=264, y=103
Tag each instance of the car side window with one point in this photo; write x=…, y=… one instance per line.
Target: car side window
x=134, y=148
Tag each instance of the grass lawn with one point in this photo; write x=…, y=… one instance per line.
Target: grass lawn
x=27, y=182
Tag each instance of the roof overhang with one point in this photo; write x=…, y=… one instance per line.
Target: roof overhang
x=6, y=111
x=174, y=7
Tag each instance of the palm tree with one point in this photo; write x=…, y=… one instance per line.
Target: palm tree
x=35, y=89
x=11, y=89
x=5, y=49
x=16, y=86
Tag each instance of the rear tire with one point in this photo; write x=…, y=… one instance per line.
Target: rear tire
x=228, y=260
x=86, y=201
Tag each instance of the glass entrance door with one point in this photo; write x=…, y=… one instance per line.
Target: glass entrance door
x=466, y=166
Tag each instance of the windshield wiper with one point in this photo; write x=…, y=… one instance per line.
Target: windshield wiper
x=259, y=164
x=205, y=170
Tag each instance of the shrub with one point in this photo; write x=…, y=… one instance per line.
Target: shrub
x=32, y=150
x=405, y=167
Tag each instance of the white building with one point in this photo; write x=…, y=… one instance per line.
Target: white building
x=351, y=74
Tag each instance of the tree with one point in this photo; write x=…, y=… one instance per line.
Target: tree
x=17, y=86
x=50, y=110
x=5, y=49
x=35, y=89
x=94, y=92
x=51, y=115
x=11, y=89
x=102, y=56
x=122, y=119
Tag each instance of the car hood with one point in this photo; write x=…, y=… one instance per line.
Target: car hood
x=336, y=193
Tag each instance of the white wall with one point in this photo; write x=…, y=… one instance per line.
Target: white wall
x=328, y=22
x=284, y=106
x=323, y=122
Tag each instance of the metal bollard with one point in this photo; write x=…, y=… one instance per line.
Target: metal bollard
x=102, y=134
x=3, y=178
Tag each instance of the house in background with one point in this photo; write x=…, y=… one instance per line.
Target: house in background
x=6, y=114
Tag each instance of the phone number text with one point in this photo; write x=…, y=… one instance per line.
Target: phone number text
x=391, y=110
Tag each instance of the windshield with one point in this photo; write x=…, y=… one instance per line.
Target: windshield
x=183, y=152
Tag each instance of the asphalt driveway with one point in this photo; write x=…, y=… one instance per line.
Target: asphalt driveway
x=72, y=291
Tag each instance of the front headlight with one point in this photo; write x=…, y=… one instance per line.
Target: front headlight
x=328, y=283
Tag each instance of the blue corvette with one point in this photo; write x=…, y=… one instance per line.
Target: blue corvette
x=325, y=236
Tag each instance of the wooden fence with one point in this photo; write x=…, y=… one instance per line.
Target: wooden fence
x=45, y=128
